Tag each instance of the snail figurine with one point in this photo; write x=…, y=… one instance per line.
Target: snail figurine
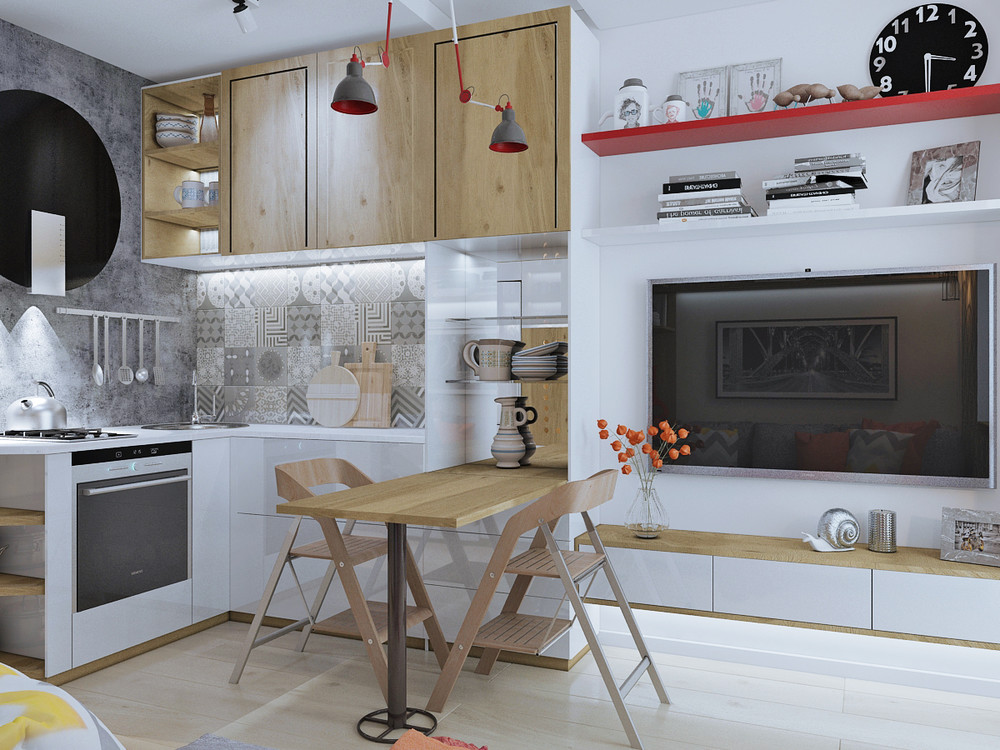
x=838, y=528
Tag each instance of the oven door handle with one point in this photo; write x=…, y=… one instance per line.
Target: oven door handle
x=91, y=491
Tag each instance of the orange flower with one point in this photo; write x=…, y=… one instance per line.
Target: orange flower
x=664, y=426
x=682, y=433
x=685, y=450
x=602, y=423
x=616, y=446
x=622, y=458
x=652, y=430
x=647, y=448
x=622, y=429
x=672, y=438
x=604, y=434
x=673, y=453
x=630, y=452
x=626, y=469
x=657, y=463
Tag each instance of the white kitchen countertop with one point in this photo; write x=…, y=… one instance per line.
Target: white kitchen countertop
x=15, y=446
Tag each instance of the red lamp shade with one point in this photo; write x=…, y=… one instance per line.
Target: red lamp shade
x=508, y=137
x=354, y=95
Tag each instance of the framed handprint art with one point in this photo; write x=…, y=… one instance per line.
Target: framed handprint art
x=752, y=86
x=706, y=92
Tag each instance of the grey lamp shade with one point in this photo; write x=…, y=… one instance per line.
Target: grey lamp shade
x=508, y=138
x=354, y=95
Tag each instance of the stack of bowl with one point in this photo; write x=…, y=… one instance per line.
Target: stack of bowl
x=545, y=362
x=174, y=129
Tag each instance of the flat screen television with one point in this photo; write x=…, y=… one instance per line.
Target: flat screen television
x=871, y=376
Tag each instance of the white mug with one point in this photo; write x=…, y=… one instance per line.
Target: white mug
x=190, y=194
x=631, y=106
x=490, y=359
x=213, y=194
x=674, y=109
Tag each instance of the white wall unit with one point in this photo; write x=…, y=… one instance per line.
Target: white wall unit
x=943, y=606
x=658, y=579
x=789, y=591
x=210, y=527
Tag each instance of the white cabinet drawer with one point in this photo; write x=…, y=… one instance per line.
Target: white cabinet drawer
x=659, y=579
x=794, y=591
x=943, y=606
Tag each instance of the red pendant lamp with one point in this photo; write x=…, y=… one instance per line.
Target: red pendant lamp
x=354, y=95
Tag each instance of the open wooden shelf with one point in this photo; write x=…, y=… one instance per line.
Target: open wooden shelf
x=206, y=217
x=197, y=156
x=818, y=118
x=32, y=667
x=343, y=624
x=819, y=222
x=21, y=517
x=522, y=634
x=783, y=549
x=14, y=585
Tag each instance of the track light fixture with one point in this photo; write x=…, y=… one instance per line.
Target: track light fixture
x=354, y=95
x=508, y=137
x=243, y=15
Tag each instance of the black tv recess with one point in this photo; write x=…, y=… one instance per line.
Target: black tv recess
x=871, y=376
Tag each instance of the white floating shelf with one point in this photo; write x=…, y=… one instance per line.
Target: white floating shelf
x=828, y=221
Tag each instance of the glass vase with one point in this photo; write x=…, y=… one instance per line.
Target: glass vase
x=646, y=517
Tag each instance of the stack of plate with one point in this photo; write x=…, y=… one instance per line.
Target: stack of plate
x=545, y=362
x=174, y=129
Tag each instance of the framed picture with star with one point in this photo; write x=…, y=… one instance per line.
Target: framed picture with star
x=706, y=92
x=752, y=86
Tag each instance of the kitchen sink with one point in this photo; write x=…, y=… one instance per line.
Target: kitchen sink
x=200, y=426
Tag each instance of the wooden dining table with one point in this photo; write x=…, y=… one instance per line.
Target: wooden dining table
x=446, y=498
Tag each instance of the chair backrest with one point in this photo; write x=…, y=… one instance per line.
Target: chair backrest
x=572, y=497
x=295, y=479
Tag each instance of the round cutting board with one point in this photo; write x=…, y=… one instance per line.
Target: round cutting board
x=333, y=395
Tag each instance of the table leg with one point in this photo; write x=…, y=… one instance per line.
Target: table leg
x=397, y=714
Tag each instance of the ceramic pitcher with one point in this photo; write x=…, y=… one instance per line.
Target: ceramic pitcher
x=490, y=358
x=508, y=445
x=526, y=436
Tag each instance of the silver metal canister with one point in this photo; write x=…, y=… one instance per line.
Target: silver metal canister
x=882, y=530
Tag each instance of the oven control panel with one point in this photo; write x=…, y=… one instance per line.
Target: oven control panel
x=130, y=452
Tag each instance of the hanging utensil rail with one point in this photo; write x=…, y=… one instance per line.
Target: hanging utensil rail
x=117, y=315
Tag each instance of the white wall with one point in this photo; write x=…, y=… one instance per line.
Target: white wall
x=820, y=41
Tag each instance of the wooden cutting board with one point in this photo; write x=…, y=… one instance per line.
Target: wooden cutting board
x=333, y=395
x=375, y=381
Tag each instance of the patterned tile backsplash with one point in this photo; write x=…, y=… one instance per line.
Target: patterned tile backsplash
x=263, y=334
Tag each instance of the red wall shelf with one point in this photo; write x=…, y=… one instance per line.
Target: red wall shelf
x=821, y=118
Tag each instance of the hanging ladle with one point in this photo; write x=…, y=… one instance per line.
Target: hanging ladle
x=142, y=374
x=96, y=372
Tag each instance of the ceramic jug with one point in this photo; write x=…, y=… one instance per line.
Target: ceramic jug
x=490, y=359
x=521, y=402
x=631, y=106
x=508, y=445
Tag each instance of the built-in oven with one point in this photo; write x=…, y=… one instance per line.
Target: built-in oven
x=131, y=546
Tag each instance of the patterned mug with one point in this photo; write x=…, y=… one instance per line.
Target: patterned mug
x=490, y=358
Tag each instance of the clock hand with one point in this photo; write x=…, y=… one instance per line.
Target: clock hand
x=928, y=58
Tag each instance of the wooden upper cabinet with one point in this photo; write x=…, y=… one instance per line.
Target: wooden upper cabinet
x=481, y=193
x=376, y=171
x=268, y=163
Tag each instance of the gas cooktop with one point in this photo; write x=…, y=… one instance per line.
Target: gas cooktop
x=65, y=433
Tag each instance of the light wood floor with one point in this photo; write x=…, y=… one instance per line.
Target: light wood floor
x=292, y=701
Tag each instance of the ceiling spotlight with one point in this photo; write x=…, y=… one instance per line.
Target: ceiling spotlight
x=243, y=16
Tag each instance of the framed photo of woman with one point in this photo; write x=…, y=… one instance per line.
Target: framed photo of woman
x=946, y=174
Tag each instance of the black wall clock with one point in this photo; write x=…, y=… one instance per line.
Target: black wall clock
x=929, y=48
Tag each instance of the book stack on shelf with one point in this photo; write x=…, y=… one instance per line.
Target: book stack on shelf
x=696, y=197
x=819, y=183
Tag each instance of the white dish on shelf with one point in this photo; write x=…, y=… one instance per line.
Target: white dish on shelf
x=553, y=347
x=168, y=138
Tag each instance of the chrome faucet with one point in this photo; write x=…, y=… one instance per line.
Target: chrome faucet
x=195, y=418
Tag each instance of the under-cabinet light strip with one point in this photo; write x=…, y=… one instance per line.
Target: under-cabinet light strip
x=116, y=315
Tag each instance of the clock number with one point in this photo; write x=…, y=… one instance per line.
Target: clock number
x=933, y=10
x=952, y=86
x=886, y=83
x=978, y=51
x=972, y=29
x=879, y=63
x=970, y=74
x=952, y=14
x=886, y=44
x=896, y=24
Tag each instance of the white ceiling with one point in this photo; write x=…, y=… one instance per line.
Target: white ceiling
x=165, y=40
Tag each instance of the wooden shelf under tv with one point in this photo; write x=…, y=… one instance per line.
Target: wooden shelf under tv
x=819, y=222
x=817, y=118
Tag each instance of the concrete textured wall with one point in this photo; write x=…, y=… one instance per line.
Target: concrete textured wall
x=38, y=343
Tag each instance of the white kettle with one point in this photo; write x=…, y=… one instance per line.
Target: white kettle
x=37, y=412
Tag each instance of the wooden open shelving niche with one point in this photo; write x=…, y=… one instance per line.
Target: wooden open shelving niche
x=17, y=585
x=819, y=118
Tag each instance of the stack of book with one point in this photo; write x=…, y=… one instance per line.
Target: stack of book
x=709, y=195
x=819, y=183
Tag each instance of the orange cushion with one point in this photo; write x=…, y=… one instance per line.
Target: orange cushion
x=822, y=451
x=921, y=432
x=414, y=740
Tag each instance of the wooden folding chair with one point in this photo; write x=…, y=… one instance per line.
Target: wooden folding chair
x=365, y=619
x=532, y=634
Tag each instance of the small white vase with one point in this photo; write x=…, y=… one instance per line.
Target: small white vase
x=646, y=517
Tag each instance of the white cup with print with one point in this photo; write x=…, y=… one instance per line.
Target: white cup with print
x=631, y=108
x=190, y=194
x=213, y=193
x=674, y=109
